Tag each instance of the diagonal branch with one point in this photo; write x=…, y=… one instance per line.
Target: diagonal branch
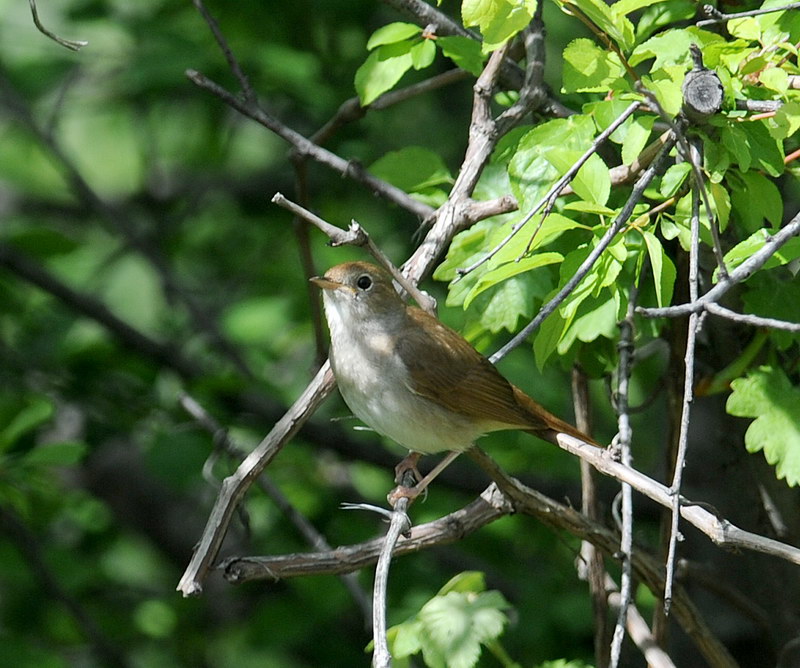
x=306, y=147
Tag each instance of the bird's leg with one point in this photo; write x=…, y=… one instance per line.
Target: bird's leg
x=401, y=491
x=408, y=465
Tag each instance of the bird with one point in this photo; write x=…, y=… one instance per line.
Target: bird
x=412, y=378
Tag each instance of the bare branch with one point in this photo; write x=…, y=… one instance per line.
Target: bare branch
x=305, y=528
x=305, y=147
x=398, y=525
x=71, y=44
x=688, y=396
x=752, y=320
x=757, y=260
x=623, y=444
x=235, y=485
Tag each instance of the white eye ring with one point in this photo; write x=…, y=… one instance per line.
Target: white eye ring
x=364, y=282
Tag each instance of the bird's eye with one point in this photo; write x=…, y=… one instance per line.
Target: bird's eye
x=364, y=282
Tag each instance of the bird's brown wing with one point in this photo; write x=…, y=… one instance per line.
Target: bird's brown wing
x=456, y=376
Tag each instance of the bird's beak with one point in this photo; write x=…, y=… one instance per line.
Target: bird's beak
x=325, y=283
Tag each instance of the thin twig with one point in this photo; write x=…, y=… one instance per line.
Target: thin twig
x=590, y=564
x=752, y=320
x=356, y=235
x=398, y=525
x=718, y=17
x=71, y=44
x=688, y=396
x=622, y=218
x=244, y=82
x=623, y=443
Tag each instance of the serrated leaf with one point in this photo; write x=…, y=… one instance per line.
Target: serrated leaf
x=755, y=187
x=455, y=625
x=412, y=168
x=767, y=395
x=382, y=69
x=394, y=32
x=588, y=68
x=752, y=145
x=663, y=269
x=56, y=454
x=37, y=412
x=498, y=20
x=463, y=51
x=510, y=300
x=553, y=226
x=595, y=318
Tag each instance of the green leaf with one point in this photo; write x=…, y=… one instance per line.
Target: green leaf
x=530, y=172
x=596, y=317
x=553, y=226
x=672, y=47
x=663, y=269
x=56, y=454
x=588, y=68
x=636, y=138
x=617, y=27
x=662, y=14
x=753, y=145
x=673, y=178
x=509, y=269
x=422, y=54
x=625, y=7
x=394, y=32
x=456, y=624
x=463, y=51
x=498, y=20
x=466, y=581
x=767, y=395
x=382, y=69
x=547, y=338
x=666, y=86
x=511, y=299
x=38, y=411
x=753, y=187
x=412, y=168
x=592, y=183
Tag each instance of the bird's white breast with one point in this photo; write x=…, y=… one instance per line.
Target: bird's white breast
x=375, y=384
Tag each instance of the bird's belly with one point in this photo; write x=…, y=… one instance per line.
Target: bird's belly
x=394, y=411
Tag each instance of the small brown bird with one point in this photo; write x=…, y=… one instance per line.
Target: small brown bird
x=412, y=378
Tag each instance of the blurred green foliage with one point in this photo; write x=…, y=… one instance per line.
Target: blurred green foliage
x=136, y=199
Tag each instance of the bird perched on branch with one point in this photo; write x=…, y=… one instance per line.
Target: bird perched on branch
x=412, y=378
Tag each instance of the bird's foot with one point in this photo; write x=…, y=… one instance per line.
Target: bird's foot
x=408, y=468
